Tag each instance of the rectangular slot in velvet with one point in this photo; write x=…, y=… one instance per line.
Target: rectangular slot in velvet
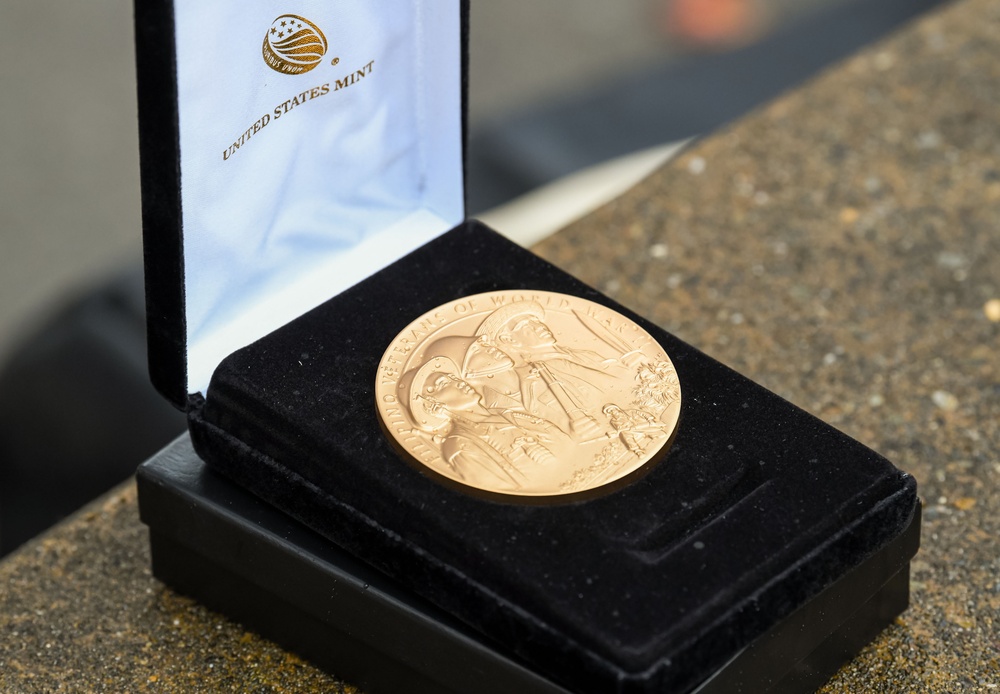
x=755, y=508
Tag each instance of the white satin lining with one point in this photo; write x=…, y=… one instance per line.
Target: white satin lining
x=332, y=190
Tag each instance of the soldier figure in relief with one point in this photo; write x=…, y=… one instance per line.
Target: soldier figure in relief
x=633, y=427
x=563, y=385
x=493, y=450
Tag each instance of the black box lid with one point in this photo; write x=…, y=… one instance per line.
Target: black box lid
x=287, y=153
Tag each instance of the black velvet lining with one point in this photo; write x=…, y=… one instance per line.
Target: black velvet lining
x=160, y=172
x=756, y=507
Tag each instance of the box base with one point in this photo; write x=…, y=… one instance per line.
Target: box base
x=219, y=544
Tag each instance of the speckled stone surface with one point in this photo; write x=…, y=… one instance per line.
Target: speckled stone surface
x=842, y=247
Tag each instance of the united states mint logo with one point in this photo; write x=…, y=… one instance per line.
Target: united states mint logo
x=293, y=45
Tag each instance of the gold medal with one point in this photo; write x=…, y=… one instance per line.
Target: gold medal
x=527, y=393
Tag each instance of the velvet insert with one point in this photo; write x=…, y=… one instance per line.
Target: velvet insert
x=754, y=509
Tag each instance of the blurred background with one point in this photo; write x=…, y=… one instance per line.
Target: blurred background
x=571, y=102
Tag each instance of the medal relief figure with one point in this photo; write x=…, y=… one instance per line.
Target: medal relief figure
x=466, y=434
x=562, y=384
x=635, y=428
x=537, y=395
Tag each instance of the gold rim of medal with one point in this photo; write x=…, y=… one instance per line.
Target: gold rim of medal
x=527, y=394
